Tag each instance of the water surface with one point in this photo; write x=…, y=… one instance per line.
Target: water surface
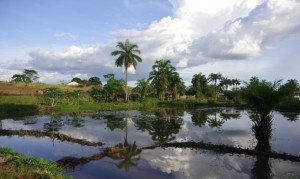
x=139, y=129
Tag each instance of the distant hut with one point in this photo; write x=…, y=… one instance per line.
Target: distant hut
x=73, y=83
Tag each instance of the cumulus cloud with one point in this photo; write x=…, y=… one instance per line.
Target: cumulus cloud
x=198, y=34
x=247, y=36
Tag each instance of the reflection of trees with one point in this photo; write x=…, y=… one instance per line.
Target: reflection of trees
x=55, y=123
x=128, y=156
x=161, y=124
x=228, y=114
x=262, y=129
x=214, y=117
x=199, y=117
x=115, y=122
x=75, y=120
x=291, y=116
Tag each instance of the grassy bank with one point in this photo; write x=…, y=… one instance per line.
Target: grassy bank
x=14, y=165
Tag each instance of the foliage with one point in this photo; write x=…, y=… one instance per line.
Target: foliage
x=28, y=76
x=164, y=78
x=127, y=55
x=20, y=166
x=263, y=96
x=94, y=81
x=52, y=96
x=199, y=85
x=143, y=88
x=114, y=88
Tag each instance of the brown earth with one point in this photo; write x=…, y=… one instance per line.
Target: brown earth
x=12, y=89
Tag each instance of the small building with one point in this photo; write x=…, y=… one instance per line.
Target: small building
x=73, y=83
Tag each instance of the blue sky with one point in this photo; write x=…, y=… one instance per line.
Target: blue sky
x=62, y=39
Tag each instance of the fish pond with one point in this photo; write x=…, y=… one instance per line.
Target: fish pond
x=161, y=143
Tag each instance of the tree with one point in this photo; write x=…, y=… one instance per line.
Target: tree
x=143, y=87
x=263, y=96
x=109, y=75
x=214, y=77
x=18, y=78
x=94, y=81
x=162, y=71
x=235, y=83
x=128, y=55
x=174, y=82
x=77, y=80
x=199, y=84
x=225, y=82
x=28, y=76
x=114, y=87
x=53, y=95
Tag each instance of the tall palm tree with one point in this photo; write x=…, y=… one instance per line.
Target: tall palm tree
x=128, y=55
x=160, y=75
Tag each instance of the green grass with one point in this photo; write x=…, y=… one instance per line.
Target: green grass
x=26, y=100
x=19, y=166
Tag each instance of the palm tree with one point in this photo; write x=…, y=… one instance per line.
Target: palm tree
x=235, y=83
x=142, y=87
x=199, y=83
x=225, y=82
x=214, y=77
x=160, y=75
x=128, y=55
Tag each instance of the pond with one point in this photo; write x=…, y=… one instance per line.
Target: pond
x=145, y=134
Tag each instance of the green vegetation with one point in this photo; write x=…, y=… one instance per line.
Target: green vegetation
x=14, y=165
x=28, y=76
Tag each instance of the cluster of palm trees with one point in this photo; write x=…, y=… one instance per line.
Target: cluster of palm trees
x=163, y=79
x=200, y=84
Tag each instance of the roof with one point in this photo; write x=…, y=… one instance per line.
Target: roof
x=73, y=83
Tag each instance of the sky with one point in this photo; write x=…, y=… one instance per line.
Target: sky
x=63, y=39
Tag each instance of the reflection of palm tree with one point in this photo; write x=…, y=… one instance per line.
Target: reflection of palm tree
x=261, y=168
x=291, y=116
x=128, y=156
x=262, y=130
x=213, y=121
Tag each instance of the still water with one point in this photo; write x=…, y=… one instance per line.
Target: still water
x=139, y=130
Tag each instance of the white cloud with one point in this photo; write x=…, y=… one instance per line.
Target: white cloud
x=65, y=35
x=197, y=38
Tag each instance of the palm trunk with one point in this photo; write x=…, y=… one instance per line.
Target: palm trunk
x=126, y=88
